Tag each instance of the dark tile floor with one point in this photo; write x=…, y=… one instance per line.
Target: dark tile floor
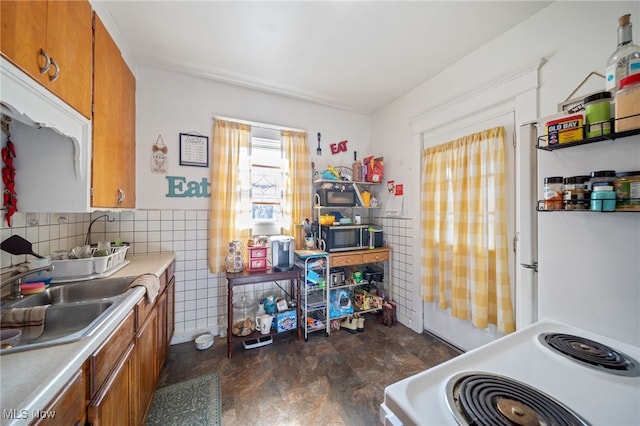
x=334, y=380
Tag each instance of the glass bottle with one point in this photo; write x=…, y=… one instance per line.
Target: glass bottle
x=625, y=60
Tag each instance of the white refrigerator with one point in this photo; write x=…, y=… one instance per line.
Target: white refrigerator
x=588, y=262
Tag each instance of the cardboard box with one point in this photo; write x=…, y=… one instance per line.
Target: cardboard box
x=374, y=169
x=286, y=320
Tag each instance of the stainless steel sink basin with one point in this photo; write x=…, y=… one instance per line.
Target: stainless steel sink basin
x=76, y=311
x=76, y=292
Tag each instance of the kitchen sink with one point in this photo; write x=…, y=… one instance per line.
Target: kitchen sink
x=76, y=310
x=76, y=292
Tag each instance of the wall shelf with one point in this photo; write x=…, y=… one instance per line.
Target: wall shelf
x=586, y=141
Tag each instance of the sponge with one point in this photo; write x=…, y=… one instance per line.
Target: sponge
x=32, y=288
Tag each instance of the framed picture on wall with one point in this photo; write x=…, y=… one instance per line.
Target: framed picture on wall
x=194, y=150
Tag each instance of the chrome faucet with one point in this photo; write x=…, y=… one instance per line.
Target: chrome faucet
x=17, y=280
x=87, y=239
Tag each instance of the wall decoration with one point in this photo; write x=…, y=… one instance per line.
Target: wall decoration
x=159, y=163
x=179, y=187
x=574, y=104
x=194, y=150
x=319, y=150
x=391, y=186
x=338, y=147
x=399, y=189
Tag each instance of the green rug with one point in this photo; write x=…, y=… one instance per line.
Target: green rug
x=192, y=402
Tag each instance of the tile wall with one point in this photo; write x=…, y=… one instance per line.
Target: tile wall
x=398, y=233
x=201, y=303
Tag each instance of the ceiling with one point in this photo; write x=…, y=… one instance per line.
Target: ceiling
x=356, y=56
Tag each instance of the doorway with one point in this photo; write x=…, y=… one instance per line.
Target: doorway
x=441, y=323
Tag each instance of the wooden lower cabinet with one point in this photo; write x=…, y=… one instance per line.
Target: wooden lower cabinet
x=68, y=407
x=113, y=404
x=118, y=380
x=147, y=365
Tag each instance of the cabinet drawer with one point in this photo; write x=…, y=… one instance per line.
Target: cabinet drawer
x=143, y=308
x=257, y=252
x=170, y=271
x=105, y=358
x=257, y=265
x=379, y=256
x=345, y=259
x=69, y=406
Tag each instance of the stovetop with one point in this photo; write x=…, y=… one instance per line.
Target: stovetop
x=595, y=395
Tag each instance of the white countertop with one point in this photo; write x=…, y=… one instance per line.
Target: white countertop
x=30, y=379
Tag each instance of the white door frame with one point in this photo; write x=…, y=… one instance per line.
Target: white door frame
x=516, y=91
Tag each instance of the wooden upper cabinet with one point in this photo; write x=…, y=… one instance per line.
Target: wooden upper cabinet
x=59, y=30
x=113, y=164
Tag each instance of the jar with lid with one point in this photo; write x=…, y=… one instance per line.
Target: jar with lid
x=597, y=110
x=627, y=104
x=553, y=192
x=575, y=194
x=627, y=187
x=244, y=317
x=602, y=178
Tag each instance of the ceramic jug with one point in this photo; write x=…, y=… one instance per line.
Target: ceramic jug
x=263, y=323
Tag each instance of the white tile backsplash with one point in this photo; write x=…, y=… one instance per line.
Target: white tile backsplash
x=201, y=303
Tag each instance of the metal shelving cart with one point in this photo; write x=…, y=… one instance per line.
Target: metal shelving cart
x=315, y=278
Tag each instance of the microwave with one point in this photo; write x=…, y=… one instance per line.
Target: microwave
x=350, y=237
x=335, y=197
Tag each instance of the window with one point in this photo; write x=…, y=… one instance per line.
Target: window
x=266, y=180
x=263, y=182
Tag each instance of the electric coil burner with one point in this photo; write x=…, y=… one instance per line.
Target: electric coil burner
x=477, y=398
x=590, y=353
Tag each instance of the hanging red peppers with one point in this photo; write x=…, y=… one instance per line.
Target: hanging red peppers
x=10, y=200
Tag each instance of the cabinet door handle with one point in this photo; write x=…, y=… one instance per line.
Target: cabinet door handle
x=47, y=64
x=120, y=195
x=55, y=76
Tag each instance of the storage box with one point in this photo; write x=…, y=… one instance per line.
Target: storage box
x=257, y=259
x=565, y=129
x=286, y=320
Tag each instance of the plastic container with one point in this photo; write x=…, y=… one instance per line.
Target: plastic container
x=627, y=187
x=244, y=317
x=597, y=114
x=627, y=104
x=603, y=199
x=553, y=193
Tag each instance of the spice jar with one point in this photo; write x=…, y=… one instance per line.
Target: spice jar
x=627, y=188
x=597, y=109
x=553, y=193
x=602, y=178
x=627, y=104
x=574, y=193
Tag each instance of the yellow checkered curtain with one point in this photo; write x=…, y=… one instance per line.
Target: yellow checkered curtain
x=227, y=208
x=465, y=256
x=297, y=181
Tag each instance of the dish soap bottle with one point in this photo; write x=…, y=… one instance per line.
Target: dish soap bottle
x=625, y=60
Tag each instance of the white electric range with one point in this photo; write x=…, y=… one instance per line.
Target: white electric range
x=520, y=379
